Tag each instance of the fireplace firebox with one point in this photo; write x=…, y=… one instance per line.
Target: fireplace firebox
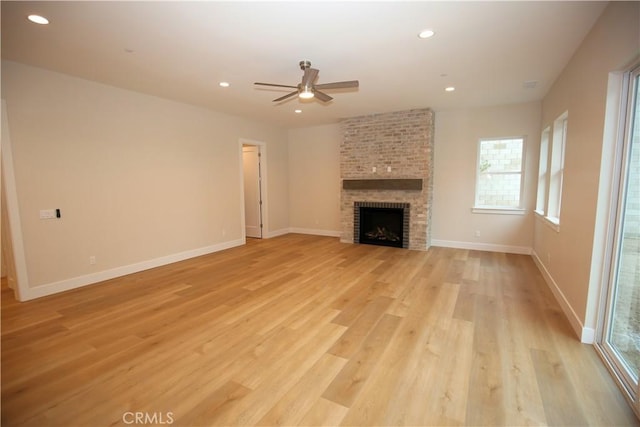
x=383, y=224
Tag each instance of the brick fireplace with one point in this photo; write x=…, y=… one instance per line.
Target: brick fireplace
x=388, y=159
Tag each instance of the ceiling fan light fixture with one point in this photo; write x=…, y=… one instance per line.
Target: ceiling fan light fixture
x=306, y=93
x=307, y=89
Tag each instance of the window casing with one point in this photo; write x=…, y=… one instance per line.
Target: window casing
x=500, y=172
x=543, y=173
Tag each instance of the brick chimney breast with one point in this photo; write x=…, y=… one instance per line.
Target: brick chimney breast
x=398, y=146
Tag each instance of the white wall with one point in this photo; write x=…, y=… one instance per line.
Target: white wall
x=314, y=185
x=139, y=180
x=456, y=147
x=581, y=89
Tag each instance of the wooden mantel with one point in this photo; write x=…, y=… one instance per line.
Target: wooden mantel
x=382, y=184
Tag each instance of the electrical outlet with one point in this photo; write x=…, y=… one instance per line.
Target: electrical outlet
x=477, y=233
x=92, y=260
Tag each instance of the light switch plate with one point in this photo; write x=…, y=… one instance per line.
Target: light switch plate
x=47, y=214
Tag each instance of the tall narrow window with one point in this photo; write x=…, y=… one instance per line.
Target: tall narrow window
x=556, y=171
x=500, y=173
x=543, y=173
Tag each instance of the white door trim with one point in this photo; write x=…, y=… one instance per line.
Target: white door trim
x=263, y=186
x=15, y=224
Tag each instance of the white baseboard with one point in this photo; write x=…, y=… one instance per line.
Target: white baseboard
x=489, y=247
x=586, y=335
x=276, y=233
x=89, y=279
x=315, y=232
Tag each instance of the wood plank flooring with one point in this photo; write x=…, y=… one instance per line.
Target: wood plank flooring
x=304, y=330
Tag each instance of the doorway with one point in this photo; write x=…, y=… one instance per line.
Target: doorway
x=252, y=173
x=619, y=339
x=8, y=264
x=14, y=262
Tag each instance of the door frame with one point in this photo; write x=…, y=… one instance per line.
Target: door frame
x=14, y=224
x=618, y=141
x=263, y=185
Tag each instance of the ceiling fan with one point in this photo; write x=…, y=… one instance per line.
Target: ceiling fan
x=307, y=89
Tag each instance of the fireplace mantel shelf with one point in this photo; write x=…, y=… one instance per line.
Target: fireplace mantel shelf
x=382, y=184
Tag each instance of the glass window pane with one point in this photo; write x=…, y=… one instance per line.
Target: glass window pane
x=504, y=155
x=500, y=163
x=542, y=172
x=624, y=334
x=557, y=166
x=500, y=190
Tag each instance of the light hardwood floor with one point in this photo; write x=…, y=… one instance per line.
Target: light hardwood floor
x=304, y=330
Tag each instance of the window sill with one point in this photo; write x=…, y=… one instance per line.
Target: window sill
x=498, y=211
x=551, y=222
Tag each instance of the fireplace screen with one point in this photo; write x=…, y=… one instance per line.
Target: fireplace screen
x=384, y=224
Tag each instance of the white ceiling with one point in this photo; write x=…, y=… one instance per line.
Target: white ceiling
x=181, y=50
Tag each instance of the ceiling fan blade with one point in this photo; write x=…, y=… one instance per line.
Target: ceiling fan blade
x=275, y=85
x=289, y=95
x=309, y=77
x=338, y=85
x=322, y=96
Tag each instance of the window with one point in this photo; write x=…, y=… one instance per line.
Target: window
x=557, y=168
x=500, y=173
x=543, y=171
x=551, y=171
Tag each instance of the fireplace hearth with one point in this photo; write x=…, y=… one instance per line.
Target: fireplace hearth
x=383, y=224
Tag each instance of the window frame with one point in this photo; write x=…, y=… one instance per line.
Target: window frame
x=556, y=170
x=501, y=209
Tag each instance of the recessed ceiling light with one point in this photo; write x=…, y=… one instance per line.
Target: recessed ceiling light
x=425, y=34
x=297, y=111
x=37, y=19
x=224, y=84
x=450, y=89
